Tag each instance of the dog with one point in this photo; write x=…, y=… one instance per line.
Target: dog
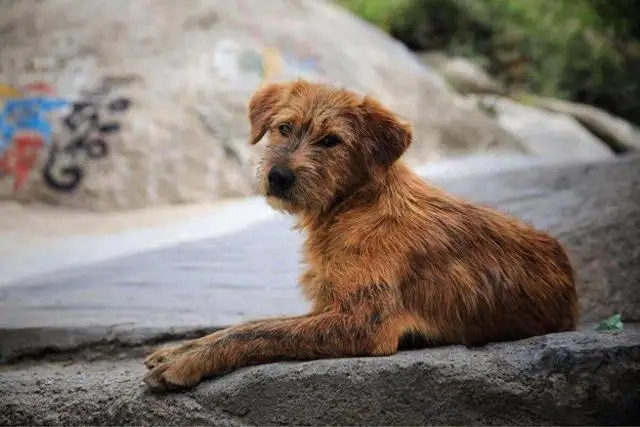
x=391, y=261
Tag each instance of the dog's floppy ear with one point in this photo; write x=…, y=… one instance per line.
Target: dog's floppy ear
x=262, y=106
x=387, y=138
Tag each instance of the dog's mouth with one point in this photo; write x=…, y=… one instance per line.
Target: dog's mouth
x=282, y=203
x=284, y=196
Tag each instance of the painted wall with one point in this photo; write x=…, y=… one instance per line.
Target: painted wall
x=29, y=147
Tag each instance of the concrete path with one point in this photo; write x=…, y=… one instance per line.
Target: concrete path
x=209, y=281
x=83, y=249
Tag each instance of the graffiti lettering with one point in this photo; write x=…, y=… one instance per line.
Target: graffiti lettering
x=273, y=63
x=232, y=62
x=27, y=115
x=25, y=128
x=88, y=138
x=21, y=158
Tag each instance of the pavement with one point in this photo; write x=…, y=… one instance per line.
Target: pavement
x=212, y=281
x=71, y=239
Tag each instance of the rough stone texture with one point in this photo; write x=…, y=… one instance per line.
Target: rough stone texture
x=188, y=69
x=593, y=208
x=581, y=378
x=545, y=133
x=620, y=134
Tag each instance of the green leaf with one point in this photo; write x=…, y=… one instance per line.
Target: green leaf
x=613, y=323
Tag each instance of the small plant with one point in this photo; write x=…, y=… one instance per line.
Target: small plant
x=613, y=323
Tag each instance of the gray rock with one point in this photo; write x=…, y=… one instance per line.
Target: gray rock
x=618, y=133
x=545, y=133
x=581, y=378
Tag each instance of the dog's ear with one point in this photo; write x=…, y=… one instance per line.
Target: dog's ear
x=386, y=137
x=262, y=106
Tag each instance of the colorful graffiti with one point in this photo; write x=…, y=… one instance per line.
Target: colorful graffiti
x=234, y=63
x=272, y=63
x=88, y=141
x=21, y=158
x=276, y=64
x=25, y=128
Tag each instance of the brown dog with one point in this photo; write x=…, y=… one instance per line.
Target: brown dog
x=389, y=257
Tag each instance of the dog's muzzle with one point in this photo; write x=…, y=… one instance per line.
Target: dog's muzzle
x=281, y=178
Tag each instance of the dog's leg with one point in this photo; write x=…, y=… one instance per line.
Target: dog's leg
x=168, y=354
x=360, y=329
x=327, y=335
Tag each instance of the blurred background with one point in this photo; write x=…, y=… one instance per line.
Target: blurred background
x=585, y=51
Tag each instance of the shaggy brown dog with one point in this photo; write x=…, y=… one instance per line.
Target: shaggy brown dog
x=388, y=256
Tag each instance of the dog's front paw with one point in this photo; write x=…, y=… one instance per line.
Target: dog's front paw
x=165, y=355
x=177, y=375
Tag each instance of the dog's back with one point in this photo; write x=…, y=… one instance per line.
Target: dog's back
x=467, y=274
x=490, y=277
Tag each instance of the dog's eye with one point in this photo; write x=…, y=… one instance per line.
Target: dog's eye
x=284, y=129
x=330, y=141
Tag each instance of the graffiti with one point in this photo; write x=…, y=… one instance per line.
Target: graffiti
x=273, y=63
x=28, y=113
x=251, y=61
x=20, y=159
x=303, y=65
x=89, y=131
x=25, y=128
x=232, y=62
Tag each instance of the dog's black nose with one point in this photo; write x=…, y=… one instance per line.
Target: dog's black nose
x=281, y=178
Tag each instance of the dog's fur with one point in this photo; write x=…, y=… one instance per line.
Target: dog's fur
x=388, y=256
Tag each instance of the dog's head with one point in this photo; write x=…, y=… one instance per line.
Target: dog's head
x=324, y=143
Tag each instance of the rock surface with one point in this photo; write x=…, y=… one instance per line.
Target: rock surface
x=580, y=378
x=620, y=134
x=545, y=133
x=170, y=82
x=594, y=208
